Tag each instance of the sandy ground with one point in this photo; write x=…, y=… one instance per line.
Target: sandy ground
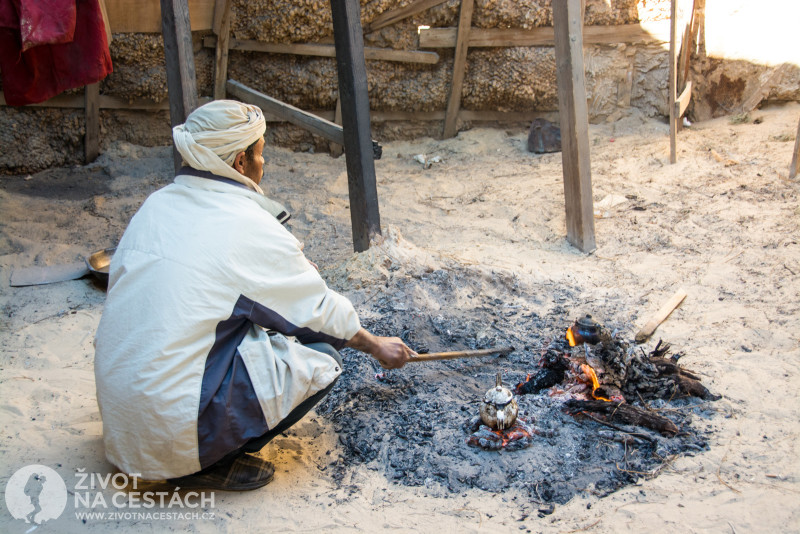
x=722, y=223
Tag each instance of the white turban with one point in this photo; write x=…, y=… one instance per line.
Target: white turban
x=214, y=133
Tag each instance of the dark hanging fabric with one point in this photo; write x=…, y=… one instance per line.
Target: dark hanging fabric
x=50, y=46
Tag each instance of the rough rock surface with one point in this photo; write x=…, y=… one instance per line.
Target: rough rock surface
x=618, y=77
x=37, y=138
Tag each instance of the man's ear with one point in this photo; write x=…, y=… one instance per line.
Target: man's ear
x=238, y=162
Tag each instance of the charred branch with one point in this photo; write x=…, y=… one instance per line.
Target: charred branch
x=623, y=413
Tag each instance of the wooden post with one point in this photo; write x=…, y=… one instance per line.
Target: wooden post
x=347, y=33
x=794, y=170
x=91, y=140
x=222, y=27
x=459, y=64
x=181, y=81
x=574, y=124
x=673, y=81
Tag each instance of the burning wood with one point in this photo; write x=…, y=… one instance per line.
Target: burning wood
x=602, y=374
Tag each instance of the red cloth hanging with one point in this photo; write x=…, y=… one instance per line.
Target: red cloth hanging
x=42, y=71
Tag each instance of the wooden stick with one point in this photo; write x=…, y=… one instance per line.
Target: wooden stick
x=460, y=354
x=794, y=169
x=396, y=15
x=648, y=329
x=544, y=36
x=673, y=82
x=459, y=66
x=326, y=50
x=91, y=140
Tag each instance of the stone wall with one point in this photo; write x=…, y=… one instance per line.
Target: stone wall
x=618, y=77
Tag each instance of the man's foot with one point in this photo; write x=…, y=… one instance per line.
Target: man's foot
x=244, y=473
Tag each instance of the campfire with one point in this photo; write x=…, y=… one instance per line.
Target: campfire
x=421, y=426
x=627, y=374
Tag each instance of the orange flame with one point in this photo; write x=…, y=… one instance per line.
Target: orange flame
x=571, y=337
x=588, y=371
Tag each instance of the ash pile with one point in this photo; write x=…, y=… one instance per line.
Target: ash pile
x=418, y=425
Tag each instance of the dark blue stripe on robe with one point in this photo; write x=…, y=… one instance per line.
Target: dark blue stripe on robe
x=230, y=414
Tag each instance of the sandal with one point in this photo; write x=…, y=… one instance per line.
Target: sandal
x=244, y=473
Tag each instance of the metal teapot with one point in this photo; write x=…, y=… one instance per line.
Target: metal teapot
x=499, y=408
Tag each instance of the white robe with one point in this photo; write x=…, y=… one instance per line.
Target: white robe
x=184, y=371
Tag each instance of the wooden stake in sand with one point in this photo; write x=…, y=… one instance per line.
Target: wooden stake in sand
x=648, y=329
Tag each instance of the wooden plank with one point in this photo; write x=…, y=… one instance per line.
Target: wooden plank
x=326, y=50
x=459, y=66
x=105, y=102
x=91, y=139
x=335, y=148
x=543, y=36
x=106, y=23
x=396, y=15
x=287, y=112
x=651, y=325
x=794, y=168
x=688, y=42
x=352, y=70
x=767, y=81
x=682, y=101
x=179, y=55
x=223, y=42
x=144, y=16
x=574, y=119
x=673, y=81
x=112, y=102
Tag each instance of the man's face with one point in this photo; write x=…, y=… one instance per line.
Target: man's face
x=254, y=168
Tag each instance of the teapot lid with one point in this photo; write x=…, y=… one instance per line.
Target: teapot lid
x=498, y=395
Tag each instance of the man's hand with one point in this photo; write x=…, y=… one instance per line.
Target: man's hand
x=390, y=352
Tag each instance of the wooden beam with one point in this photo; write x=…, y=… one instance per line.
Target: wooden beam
x=326, y=50
x=105, y=102
x=112, y=102
x=459, y=65
x=682, y=102
x=287, y=112
x=574, y=118
x=364, y=212
x=543, y=36
x=794, y=168
x=144, y=16
x=396, y=15
x=224, y=10
x=181, y=80
x=91, y=139
x=673, y=81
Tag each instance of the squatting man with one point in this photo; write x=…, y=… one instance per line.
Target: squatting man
x=217, y=334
